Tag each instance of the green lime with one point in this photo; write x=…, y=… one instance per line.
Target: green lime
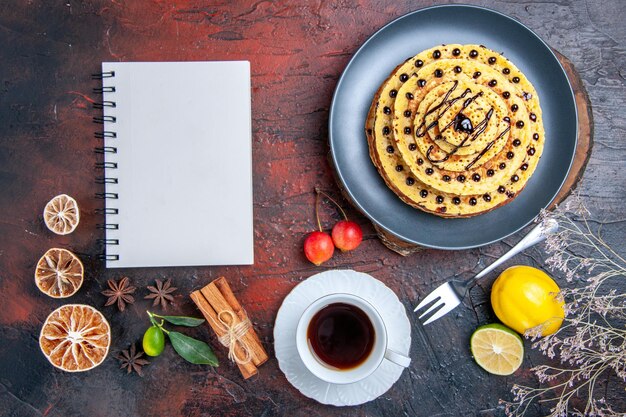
x=497, y=349
x=153, y=341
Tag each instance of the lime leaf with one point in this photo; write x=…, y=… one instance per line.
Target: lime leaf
x=192, y=350
x=182, y=320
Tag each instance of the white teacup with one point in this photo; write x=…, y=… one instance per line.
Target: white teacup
x=379, y=351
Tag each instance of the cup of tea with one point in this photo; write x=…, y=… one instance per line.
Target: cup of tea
x=341, y=338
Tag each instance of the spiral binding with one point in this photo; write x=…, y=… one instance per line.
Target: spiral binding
x=105, y=257
x=106, y=165
x=108, y=226
x=105, y=149
x=105, y=134
x=100, y=90
x=102, y=165
x=101, y=75
x=108, y=241
x=103, y=104
x=109, y=196
x=106, y=180
x=108, y=210
x=102, y=119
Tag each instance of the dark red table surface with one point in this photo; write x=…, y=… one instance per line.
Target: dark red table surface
x=297, y=51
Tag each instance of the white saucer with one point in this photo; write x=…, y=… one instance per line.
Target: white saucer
x=340, y=281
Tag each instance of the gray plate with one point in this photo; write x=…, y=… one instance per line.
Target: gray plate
x=407, y=36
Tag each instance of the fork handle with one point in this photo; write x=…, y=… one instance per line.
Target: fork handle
x=538, y=234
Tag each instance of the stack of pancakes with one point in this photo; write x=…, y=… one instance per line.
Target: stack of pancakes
x=456, y=130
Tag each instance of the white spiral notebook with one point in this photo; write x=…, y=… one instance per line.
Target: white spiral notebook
x=177, y=163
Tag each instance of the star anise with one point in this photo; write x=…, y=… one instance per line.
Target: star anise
x=120, y=293
x=131, y=360
x=161, y=292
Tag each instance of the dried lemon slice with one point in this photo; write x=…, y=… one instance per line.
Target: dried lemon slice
x=61, y=214
x=75, y=338
x=59, y=273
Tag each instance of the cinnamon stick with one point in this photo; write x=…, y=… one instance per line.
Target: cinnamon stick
x=246, y=369
x=230, y=298
x=217, y=297
x=219, y=303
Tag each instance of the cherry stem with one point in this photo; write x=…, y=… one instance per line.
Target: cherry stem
x=343, y=213
x=317, y=215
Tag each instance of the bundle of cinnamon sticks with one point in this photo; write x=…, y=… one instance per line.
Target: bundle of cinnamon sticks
x=223, y=312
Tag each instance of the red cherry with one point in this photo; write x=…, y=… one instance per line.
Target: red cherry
x=347, y=235
x=318, y=247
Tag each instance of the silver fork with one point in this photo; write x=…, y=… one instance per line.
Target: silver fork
x=450, y=294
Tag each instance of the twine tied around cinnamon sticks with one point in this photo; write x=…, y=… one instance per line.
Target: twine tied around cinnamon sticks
x=232, y=335
x=231, y=324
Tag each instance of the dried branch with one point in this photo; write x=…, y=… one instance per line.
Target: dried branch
x=591, y=343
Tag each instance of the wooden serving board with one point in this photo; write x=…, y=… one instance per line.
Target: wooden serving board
x=583, y=152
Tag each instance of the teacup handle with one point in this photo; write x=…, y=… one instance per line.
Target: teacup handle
x=397, y=358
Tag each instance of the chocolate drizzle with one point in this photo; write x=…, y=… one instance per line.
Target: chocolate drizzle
x=478, y=130
x=459, y=116
x=436, y=161
x=443, y=107
x=461, y=123
x=489, y=145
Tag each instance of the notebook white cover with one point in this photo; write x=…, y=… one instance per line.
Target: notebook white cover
x=184, y=164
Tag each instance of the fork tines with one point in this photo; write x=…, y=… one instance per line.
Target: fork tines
x=441, y=301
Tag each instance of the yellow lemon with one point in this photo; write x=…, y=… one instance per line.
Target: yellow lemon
x=524, y=297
